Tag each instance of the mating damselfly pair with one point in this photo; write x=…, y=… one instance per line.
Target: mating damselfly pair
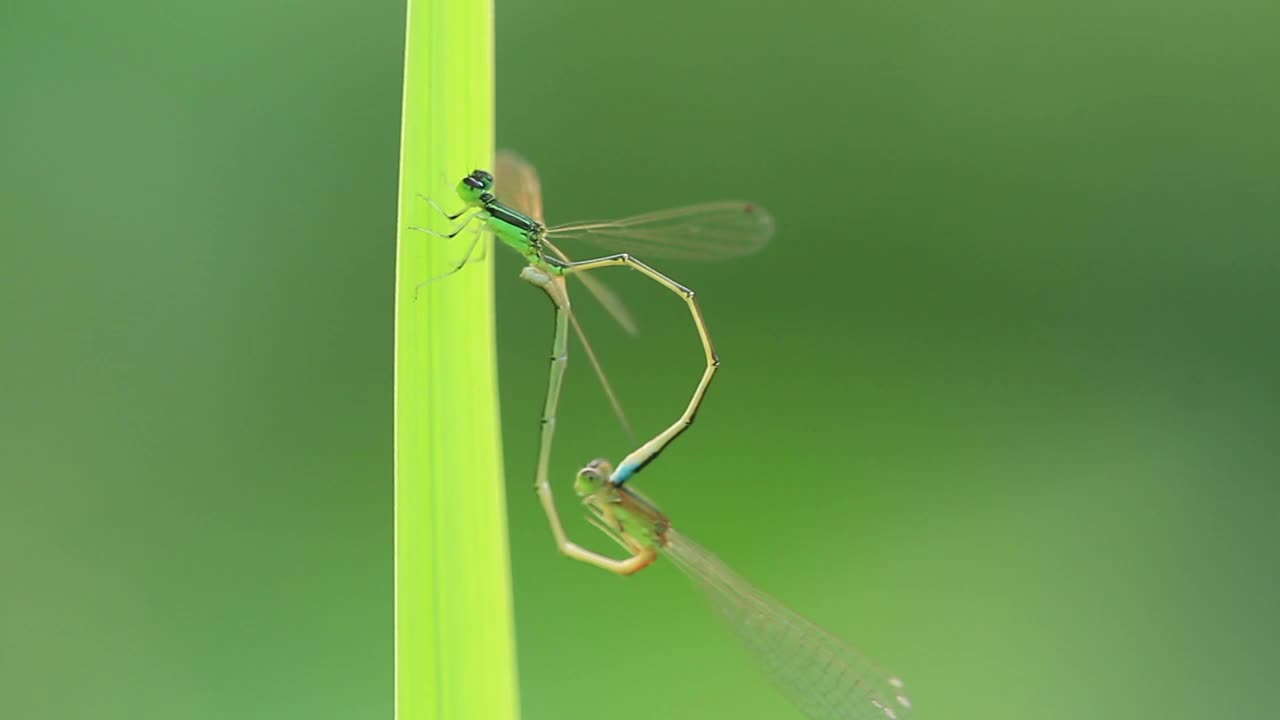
x=819, y=673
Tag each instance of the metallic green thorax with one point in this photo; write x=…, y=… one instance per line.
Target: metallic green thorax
x=633, y=519
x=511, y=226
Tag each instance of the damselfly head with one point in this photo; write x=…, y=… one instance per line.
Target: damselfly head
x=475, y=186
x=593, y=477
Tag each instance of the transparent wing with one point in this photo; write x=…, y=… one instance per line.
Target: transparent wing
x=714, y=231
x=600, y=373
x=516, y=184
x=821, y=675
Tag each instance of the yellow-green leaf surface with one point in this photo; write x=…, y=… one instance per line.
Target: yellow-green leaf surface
x=455, y=654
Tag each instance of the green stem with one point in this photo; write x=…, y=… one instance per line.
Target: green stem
x=455, y=648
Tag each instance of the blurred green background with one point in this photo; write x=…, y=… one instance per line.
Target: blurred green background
x=999, y=405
